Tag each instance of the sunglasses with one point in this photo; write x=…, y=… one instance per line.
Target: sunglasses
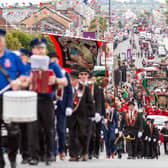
x=83, y=74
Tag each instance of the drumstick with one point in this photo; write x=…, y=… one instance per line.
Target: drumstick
x=5, y=89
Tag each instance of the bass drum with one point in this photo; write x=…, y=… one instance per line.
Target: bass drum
x=19, y=106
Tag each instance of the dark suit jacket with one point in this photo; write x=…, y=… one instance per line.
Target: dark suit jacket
x=103, y=109
x=164, y=131
x=97, y=99
x=84, y=112
x=67, y=97
x=129, y=129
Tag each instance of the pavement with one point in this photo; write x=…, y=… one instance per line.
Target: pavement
x=162, y=162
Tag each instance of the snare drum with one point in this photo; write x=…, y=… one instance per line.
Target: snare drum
x=19, y=106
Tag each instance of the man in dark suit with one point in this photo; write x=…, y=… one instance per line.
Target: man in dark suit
x=153, y=139
x=164, y=132
x=63, y=108
x=79, y=121
x=146, y=137
x=131, y=124
x=96, y=92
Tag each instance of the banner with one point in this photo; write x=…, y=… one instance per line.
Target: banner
x=72, y=50
x=129, y=55
x=91, y=35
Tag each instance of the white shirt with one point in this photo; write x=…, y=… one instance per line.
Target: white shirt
x=74, y=89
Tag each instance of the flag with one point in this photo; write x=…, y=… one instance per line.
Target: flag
x=41, y=4
x=85, y=1
x=144, y=84
x=2, y=4
x=31, y=5
x=17, y=4
x=139, y=70
x=125, y=94
x=88, y=1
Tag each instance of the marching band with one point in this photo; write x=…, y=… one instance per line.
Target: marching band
x=41, y=105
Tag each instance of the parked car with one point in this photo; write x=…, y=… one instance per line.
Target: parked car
x=162, y=51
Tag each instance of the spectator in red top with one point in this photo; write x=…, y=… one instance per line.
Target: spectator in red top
x=158, y=111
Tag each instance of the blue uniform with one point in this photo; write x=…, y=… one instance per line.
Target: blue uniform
x=42, y=130
x=61, y=117
x=109, y=133
x=27, y=68
x=13, y=65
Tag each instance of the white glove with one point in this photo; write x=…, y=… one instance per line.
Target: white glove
x=146, y=138
x=120, y=133
x=93, y=119
x=67, y=130
x=139, y=134
x=116, y=131
x=97, y=117
x=68, y=111
x=159, y=141
x=105, y=121
x=154, y=140
x=149, y=139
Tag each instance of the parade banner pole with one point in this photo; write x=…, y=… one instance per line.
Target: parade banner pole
x=106, y=74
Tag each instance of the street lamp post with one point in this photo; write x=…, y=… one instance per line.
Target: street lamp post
x=97, y=14
x=110, y=12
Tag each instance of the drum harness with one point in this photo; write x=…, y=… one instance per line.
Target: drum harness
x=7, y=76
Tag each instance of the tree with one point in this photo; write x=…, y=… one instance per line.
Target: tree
x=102, y=24
x=16, y=39
x=12, y=42
x=50, y=45
x=23, y=38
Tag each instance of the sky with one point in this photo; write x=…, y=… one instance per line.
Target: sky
x=38, y=1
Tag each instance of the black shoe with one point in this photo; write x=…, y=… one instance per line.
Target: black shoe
x=33, y=162
x=90, y=157
x=139, y=157
x=42, y=158
x=129, y=157
x=25, y=161
x=96, y=156
x=48, y=161
x=119, y=156
x=13, y=164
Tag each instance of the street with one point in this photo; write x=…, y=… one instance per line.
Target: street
x=124, y=45
x=104, y=163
